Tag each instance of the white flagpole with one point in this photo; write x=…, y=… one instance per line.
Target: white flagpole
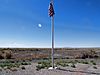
x=52, y=24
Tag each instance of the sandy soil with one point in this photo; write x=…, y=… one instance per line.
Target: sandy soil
x=81, y=69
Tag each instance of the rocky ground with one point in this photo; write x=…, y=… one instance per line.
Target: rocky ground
x=81, y=69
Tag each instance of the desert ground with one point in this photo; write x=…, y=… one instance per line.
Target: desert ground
x=69, y=61
x=82, y=69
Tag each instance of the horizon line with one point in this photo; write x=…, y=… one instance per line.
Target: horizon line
x=49, y=47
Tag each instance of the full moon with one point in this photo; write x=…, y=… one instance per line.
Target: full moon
x=39, y=25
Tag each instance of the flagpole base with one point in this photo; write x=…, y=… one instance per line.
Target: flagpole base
x=52, y=68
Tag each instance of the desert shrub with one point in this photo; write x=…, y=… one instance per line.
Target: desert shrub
x=29, y=63
x=8, y=67
x=94, y=63
x=94, y=67
x=5, y=65
x=2, y=65
x=24, y=63
x=85, y=62
x=17, y=65
x=71, y=62
x=12, y=61
x=23, y=68
x=84, y=56
x=76, y=61
x=43, y=64
x=7, y=54
x=8, y=64
x=91, y=61
x=67, y=65
x=73, y=65
x=67, y=58
x=96, y=56
x=1, y=57
x=89, y=54
x=57, y=63
x=0, y=69
x=38, y=67
x=64, y=64
x=13, y=69
x=46, y=64
x=40, y=62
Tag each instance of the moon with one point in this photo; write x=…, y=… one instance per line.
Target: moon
x=39, y=25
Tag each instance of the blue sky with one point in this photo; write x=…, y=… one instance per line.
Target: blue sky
x=77, y=23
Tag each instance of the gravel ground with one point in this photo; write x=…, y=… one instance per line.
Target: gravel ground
x=81, y=69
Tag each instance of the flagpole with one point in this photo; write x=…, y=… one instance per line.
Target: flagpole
x=52, y=24
x=51, y=14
